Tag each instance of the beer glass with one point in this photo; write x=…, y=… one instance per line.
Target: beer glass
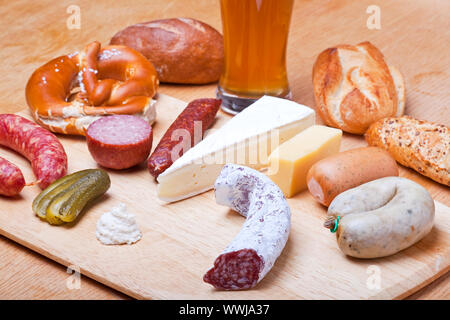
x=255, y=39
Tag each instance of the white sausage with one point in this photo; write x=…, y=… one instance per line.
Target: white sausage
x=382, y=217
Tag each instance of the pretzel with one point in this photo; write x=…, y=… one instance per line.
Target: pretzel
x=68, y=93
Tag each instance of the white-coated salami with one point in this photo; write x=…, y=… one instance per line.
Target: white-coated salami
x=253, y=252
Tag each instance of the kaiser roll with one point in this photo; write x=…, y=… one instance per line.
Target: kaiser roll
x=354, y=87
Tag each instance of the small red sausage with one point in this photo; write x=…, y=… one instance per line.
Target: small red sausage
x=119, y=141
x=199, y=110
x=11, y=178
x=40, y=146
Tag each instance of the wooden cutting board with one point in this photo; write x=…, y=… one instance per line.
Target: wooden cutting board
x=413, y=36
x=181, y=240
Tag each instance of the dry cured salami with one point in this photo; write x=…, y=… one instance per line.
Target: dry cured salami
x=202, y=111
x=253, y=252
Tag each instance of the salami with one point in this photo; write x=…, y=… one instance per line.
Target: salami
x=119, y=141
x=202, y=111
x=11, y=178
x=253, y=252
x=41, y=147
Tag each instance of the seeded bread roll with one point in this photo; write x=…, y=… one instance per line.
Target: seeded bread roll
x=354, y=87
x=183, y=50
x=420, y=145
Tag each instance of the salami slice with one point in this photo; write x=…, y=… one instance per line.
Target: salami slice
x=202, y=111
x=253, y=252
x=119, y=141
x=40, y=146
x=11, y=178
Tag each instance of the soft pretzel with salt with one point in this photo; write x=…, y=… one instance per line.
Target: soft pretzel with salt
x=111, y=80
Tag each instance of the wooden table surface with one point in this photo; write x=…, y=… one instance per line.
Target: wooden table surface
x=414, y=36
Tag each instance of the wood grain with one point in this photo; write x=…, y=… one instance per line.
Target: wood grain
x=180, y=240
x=414, y=36
x=49, y=279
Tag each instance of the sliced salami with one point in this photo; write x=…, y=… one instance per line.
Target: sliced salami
x=119, y=141
x=253, y=252
x=40, y=146
x=11, y=178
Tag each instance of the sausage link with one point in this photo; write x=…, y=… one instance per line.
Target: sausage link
x=333, y=175
x=11, y=178
x=41, y=147
x=381, y=217
x=203, y=110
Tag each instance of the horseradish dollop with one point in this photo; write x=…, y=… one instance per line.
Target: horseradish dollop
x=118, y=227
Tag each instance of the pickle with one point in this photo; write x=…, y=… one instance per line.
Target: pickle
x=41, y=202
x=63, y=200
x=52, y=214
x=54, y=220
x=68, y=206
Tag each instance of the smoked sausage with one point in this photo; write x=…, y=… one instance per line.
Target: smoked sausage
x=11, y=178
x=182, y=132
x=41, y=147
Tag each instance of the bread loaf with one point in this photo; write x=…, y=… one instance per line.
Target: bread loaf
x=182, y=50
x=354, y=87
x=420, y=145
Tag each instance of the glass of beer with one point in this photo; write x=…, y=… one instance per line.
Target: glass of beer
x=255, y=39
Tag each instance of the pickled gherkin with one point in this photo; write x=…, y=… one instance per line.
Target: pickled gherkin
x=41, y=202
x=64, y=199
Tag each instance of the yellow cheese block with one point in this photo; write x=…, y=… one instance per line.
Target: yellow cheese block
x=289, y=162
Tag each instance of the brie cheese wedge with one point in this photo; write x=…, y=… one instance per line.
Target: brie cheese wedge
x=246, y=139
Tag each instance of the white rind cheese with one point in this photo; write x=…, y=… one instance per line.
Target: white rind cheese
x=246, y=139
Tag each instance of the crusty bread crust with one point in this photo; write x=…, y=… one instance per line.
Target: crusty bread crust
x=183, y=50
x=421, y=145
x=354, y=87
x=400, y=88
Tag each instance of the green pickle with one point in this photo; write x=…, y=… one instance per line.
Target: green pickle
x=64, y=200
x=52, y=213
x=41, y=202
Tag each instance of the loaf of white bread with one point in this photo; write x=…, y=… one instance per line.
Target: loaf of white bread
x=421, y=145
x=354, y=87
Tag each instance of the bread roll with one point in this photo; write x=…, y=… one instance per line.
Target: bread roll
x=420, y=145
x=354, y=87
x=182, y=50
